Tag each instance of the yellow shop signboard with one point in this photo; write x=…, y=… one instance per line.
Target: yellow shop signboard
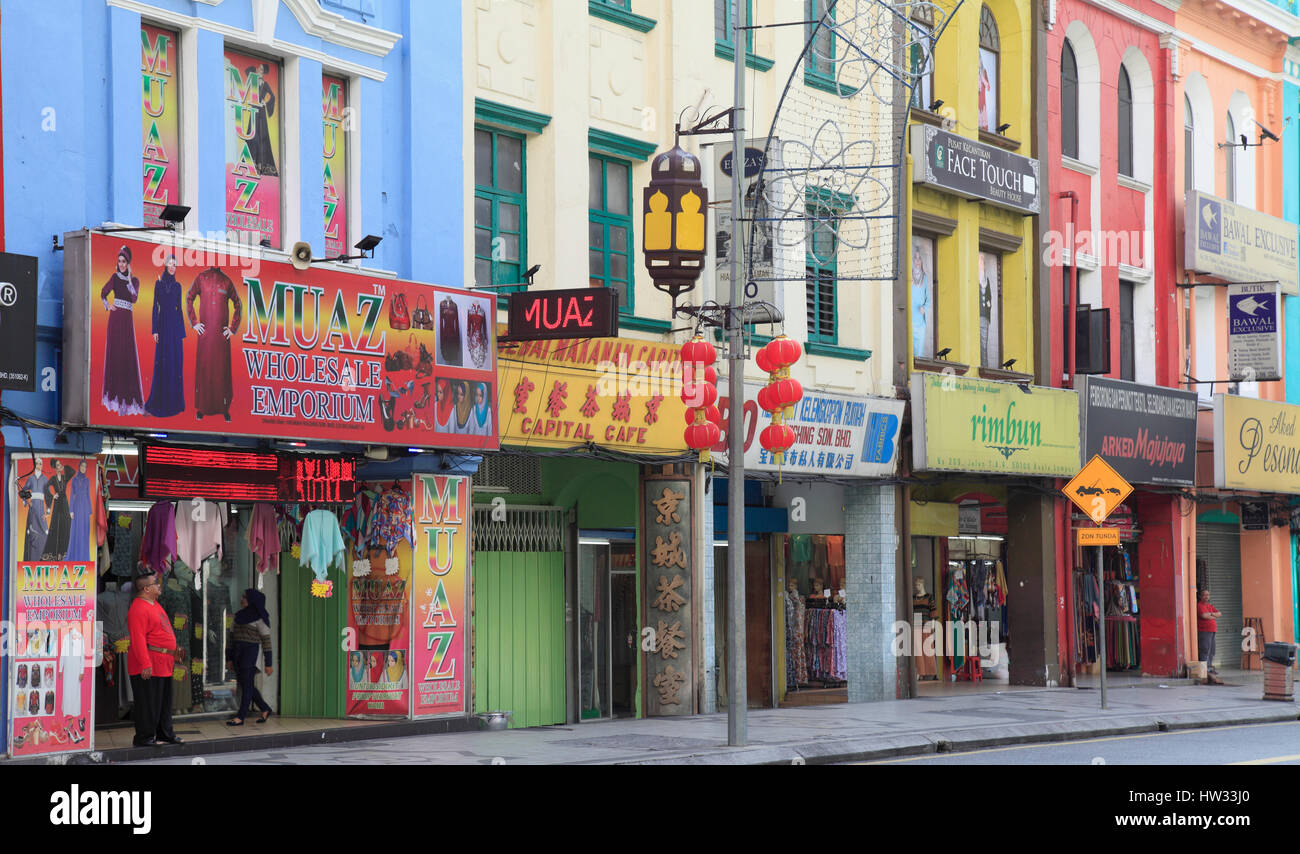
x=1256, y=445
x=977, y=425
x=610, y=392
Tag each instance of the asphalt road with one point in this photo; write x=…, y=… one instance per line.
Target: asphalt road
x=1258, y=744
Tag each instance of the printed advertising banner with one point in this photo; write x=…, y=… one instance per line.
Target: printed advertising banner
x=257, y=348
x=1256, y=446
x=614, y=392
x=253, y=163
x=51, y=672
x=333, y=109
x=162, y=133
x=834, y=434
x=1238, y=243
x=440, y=580
x=1146, y=433
x=976, y=425
x=379, y=610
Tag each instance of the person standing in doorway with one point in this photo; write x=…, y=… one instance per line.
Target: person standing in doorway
x=150, y=661
x=1207, y=625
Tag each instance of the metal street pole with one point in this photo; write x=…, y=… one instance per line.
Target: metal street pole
x=1101, y=633
x=738, y=701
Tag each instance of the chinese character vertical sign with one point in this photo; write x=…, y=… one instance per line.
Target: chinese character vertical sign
x=334, y=128
x=440, y=586
x=161, y=114
x=669, y=562
x=253, y=164
x=51, y=668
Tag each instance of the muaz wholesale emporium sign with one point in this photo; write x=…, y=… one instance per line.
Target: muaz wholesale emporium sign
x=973, y=170
x=1238, y=244
x=975, y=425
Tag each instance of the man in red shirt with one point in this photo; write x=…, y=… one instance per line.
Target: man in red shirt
x=149, y=663
x=1207, y=624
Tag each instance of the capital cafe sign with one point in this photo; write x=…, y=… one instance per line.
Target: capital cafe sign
x=1256, y=445
x=613, y=392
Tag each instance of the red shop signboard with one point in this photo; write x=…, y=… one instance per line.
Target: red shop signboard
x=196, y=339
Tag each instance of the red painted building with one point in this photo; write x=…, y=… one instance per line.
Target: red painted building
x=1111, y=247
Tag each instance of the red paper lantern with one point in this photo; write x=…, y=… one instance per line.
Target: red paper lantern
x=786, y=393
x=701, y=437
x=714, y=416
x=763, y=359
x=784, y=351
x=699, y=394
x=767, y=401
x=711, y=376
x=699, y=351
x=777, y=438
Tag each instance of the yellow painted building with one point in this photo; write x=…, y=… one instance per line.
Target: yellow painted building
x=982, y=81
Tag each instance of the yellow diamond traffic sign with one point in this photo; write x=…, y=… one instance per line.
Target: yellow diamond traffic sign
x=1098, y=489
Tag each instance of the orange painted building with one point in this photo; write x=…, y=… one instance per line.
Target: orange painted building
x=1227, y=67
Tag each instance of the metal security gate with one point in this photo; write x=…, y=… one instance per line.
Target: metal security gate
x=519, y=613
x=1220, y=546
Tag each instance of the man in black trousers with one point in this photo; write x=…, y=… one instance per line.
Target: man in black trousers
x=150, y=660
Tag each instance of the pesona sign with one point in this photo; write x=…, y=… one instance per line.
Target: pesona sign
x=160, y=339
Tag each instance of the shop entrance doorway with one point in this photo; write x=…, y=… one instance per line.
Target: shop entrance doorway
x=608, y=634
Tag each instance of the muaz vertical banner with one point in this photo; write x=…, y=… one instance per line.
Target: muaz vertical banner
x=440, y=586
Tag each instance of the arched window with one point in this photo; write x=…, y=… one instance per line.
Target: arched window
x=1069, y=102
x=990, y=47
x=1230, y=161
x=1125, y=124
x=1189, y=145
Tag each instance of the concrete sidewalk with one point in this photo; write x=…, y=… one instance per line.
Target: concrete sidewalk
x=823, y=734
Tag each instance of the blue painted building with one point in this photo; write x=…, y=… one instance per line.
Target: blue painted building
x=72, y=156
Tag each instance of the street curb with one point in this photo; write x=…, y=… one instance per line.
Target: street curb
x=876, y=748
x=270, y=741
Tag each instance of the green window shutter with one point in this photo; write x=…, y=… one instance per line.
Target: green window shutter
x=610, y=233
x=500, y=208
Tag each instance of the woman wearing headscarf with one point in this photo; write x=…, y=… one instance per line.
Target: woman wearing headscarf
x=260, y=145
x=251, y=632
x=167, y=394
x=56, y=545
x=443, y=406
x=121, y=365
x=464, y=406
x=481, y=418
x=79, y=504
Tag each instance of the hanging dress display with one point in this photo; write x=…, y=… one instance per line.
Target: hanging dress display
x=477, y=335
x=37, y=530
x=56, y=544
x=264, y=539
x=322, y=543
x=449, y=344
x=79, y=502
x=167, y=391
x=198, y=533
x=158, y=544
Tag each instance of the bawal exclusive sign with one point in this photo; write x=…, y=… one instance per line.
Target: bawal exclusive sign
x=1236, y=243
x=1256, y=445
x=963, y=424
x=234, y=345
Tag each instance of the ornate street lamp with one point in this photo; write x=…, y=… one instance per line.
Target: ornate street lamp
x=675, y=229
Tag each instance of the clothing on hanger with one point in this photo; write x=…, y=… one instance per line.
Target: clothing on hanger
x=198, y=532
x=158, y=545
x=264, y=538
x=322, y=543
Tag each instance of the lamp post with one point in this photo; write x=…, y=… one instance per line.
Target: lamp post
x=674, y=208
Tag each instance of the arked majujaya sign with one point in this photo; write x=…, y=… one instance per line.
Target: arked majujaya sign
x=1146, y=433
x=198, y=339
x=977, y=425
x=1256, y=445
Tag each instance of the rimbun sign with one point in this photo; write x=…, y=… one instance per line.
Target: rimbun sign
x=1097, y=489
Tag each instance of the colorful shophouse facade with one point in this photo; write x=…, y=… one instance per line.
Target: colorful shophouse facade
x=271, y=123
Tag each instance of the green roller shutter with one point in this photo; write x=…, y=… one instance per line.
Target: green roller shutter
x=519, y=636
x=311, y=643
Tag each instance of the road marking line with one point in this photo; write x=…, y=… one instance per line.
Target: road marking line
x=1271, y=760
x=1082, y=741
